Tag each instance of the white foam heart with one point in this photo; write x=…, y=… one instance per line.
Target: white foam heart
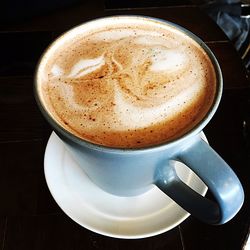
x=86, y=66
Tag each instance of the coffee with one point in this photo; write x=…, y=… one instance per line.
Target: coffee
x=126, y=82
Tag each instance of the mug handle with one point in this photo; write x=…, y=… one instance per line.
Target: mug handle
x=215, y=173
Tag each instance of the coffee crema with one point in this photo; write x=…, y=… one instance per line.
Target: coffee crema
x=127, y=84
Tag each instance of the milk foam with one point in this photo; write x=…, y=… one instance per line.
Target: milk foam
x=167, y=60
x=127, y=80
x=117, y=34
x=86, y=66
x=129, y=114
x=56, y=70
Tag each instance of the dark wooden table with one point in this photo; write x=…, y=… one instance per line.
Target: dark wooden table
x=29, y=217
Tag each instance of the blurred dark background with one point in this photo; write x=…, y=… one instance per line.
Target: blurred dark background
x=232, y=16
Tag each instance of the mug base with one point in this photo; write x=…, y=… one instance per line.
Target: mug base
x=141, y=216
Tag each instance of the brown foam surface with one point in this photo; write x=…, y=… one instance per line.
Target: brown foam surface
x=126, y=85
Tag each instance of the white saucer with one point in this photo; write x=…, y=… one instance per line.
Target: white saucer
x=122, y=217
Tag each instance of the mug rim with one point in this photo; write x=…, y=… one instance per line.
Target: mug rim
x=193, y=131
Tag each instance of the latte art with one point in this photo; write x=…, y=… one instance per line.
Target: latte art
x=129, y=86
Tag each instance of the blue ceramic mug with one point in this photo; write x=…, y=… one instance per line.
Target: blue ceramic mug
x=129, y=172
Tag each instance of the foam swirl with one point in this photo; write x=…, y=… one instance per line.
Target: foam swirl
x=130, y=79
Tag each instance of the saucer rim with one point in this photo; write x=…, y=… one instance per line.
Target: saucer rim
x=64, y=208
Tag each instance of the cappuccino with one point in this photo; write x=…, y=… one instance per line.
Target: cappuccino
x=126, y=82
